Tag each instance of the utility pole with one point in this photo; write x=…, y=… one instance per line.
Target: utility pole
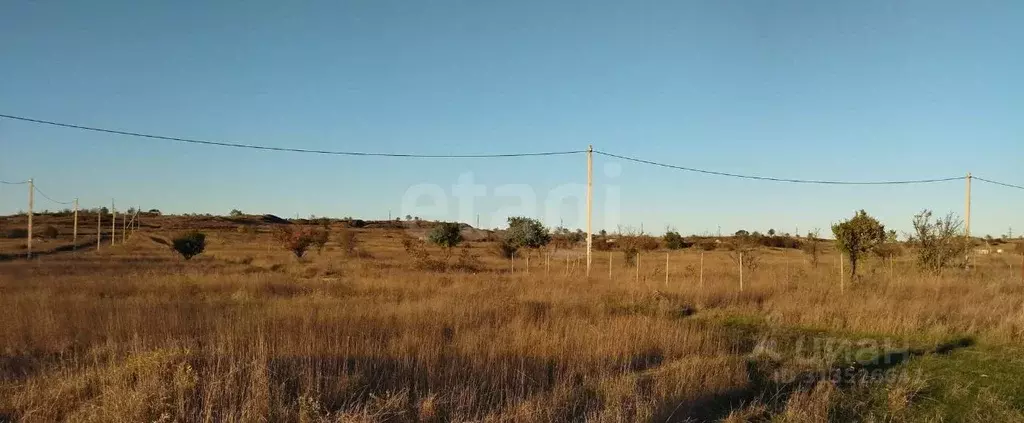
x=74, y=236
x=967, y=219
x=968, y=205
x=590, y=202
x=124, y=227
x=31, y=201
x=113, y=222
x=99, y=227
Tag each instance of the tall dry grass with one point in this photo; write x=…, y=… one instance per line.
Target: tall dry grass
x=248, y=333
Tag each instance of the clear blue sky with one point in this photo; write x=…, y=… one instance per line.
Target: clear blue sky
x=860, y=90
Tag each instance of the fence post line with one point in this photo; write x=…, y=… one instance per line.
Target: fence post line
x=74, y=236
x=124, y=227
x=31, y=201
x=99, y=228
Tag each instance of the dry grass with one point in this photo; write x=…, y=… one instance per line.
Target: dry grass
x=246, y=332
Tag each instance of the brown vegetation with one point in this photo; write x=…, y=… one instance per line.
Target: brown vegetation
x=245, y=333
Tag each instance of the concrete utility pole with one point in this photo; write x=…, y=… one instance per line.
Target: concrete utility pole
x=967, y=220
x=590, y=202
x=113, y=222
x=967, y=216
x=74, y=236
x=31, y=202
x=99, y=228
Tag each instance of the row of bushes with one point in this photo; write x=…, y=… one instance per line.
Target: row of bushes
x=50, y=232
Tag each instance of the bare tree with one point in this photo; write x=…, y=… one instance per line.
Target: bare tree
x=940, y=244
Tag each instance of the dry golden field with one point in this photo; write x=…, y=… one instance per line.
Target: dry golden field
x=246, y=332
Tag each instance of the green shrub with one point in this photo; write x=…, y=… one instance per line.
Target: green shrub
x=858, y=235
x=446, y=235
x=674, y=241
x=530, y=233
x=190, y=244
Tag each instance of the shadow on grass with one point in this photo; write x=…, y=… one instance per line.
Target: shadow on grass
x=56, y=250
x=766, y=387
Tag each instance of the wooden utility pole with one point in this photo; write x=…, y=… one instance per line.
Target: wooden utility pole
x=124, y=227
x=74, y=236
x=31, y=202
x=590, y=202
x=99, y=228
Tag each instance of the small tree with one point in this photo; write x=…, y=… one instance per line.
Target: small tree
x=347, y=241
x=745, y=252
x=295, y=240
x=812, y=248
x=674, y=241
x=527, y=232
x=319, y=238
x=190, y=244
x=859, y=235
x=446, y=235
x=771, y=232
x=236, y=213
x=941, y=243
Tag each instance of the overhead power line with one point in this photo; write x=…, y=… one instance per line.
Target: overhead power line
x=51, y=199
x=998, y=183
x=287, y=149
x=13, y=183
x=770, y=178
